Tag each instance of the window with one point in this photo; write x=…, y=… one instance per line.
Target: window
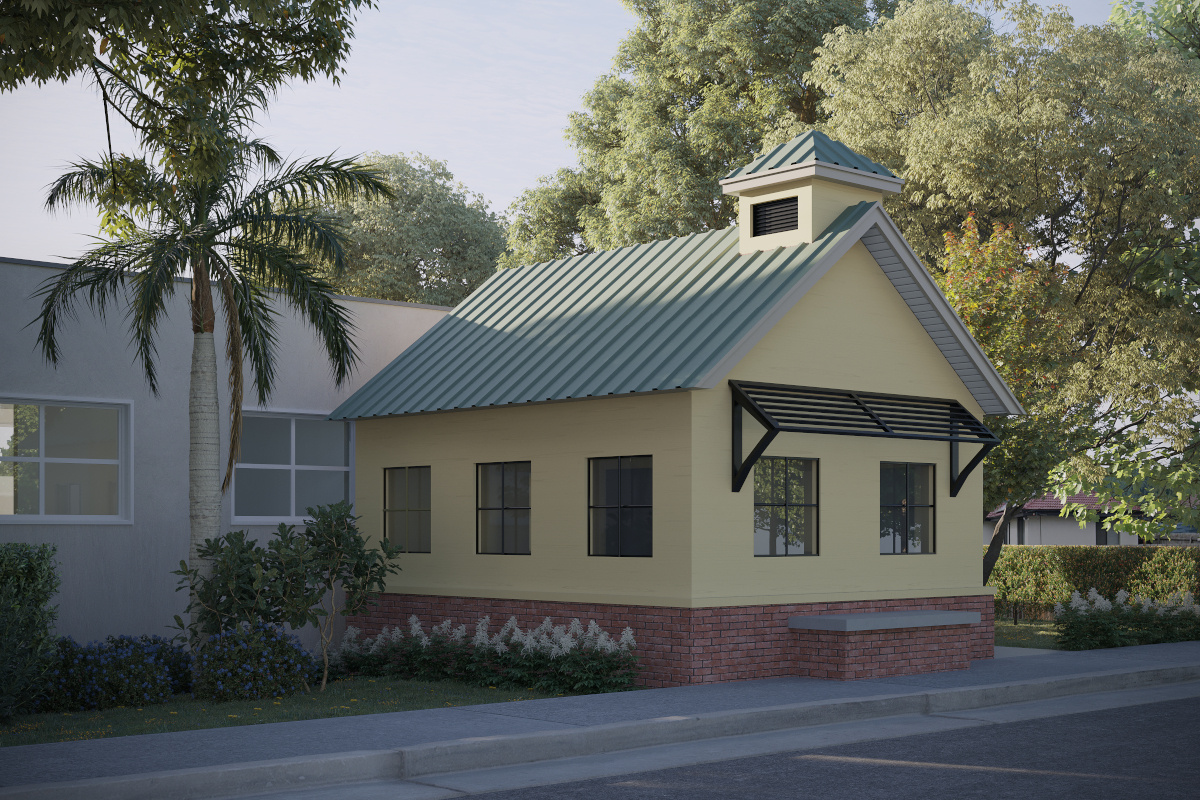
x=905, y=508
x=776, y=216
x=288, y=464
x=62, y=460
x=620, y=513
x=785, y=507
x=406, y=508
x=503, y=508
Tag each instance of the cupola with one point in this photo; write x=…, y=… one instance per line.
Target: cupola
x=789, y=195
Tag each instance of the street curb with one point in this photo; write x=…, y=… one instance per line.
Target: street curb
x=496, y=751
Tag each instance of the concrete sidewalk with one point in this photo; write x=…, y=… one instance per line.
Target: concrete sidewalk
x=259, y=758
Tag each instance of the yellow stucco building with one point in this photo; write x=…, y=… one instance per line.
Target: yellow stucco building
x=744, y=444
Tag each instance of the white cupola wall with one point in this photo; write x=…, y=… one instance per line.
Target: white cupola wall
x=791, y=194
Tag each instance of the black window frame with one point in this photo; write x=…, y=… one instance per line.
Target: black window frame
x=386, y=508
x=479, y=507
x=592, y=506
x=815, y=505
x=932, y=506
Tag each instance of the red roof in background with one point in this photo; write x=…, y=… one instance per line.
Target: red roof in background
x=1049, y=502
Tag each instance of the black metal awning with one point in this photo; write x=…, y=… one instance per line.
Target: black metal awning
x=803, y=409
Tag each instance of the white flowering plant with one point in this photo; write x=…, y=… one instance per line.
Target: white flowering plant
x=571, y=658
x=1091, y=621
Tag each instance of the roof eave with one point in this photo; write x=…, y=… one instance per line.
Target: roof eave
x=812, y=169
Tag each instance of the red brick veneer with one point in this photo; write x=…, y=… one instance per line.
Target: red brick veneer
x=679, y=646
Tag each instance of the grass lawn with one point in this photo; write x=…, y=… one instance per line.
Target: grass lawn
x=340, y=699
x=1031, y=633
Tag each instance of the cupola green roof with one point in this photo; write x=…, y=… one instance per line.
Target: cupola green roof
x=812, y=147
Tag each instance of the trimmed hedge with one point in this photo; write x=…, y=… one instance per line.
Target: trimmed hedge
x=1032, y=578
x=28, y=581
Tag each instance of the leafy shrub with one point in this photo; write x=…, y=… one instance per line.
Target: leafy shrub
x=252, y=663
x=1094, y=622
x=120, y=671
x=1036, y=577
x=302, y=577
x=549, y=658
x=28, y=581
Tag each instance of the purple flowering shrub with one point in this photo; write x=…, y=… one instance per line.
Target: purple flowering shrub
x=120, y=671
x=251, y=663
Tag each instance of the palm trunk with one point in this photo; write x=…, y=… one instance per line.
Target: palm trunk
x=204, y=454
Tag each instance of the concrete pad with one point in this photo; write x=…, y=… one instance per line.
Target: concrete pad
x=881, y=620
x=1015, y=652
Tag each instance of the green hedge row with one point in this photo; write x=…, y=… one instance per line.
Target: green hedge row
x=1032, y=578
x=28, y=581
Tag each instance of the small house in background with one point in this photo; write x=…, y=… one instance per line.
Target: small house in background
x=1040, y=521
x=757, y=447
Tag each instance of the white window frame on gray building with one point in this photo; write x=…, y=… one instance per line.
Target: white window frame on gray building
x=123, y=462
x=291, y=466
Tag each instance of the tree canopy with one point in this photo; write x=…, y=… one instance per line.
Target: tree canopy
x=1084, y=139
x=433, y=241
x=1175, y=23
x=694, y=87
x=52, y=40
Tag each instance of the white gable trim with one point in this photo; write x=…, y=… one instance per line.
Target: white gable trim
x=900, y=264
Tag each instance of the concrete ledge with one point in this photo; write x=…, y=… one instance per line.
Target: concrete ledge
x=881, y=620
x=493, y=751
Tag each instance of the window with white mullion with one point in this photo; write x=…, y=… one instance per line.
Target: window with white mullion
x=62, y=459
x=288, y=464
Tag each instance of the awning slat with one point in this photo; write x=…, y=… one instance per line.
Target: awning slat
x=805, y=409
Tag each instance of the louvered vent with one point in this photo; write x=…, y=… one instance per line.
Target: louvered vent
x=776, y=216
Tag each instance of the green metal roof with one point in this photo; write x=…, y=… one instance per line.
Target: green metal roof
x=652, y=317
x=810, y=147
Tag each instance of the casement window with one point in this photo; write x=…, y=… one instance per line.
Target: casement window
x=406, y=520
x=785, y=507
x=620, y=506
x=63, y=460
x=288, y=464
x=502, y=518
x=906, y=509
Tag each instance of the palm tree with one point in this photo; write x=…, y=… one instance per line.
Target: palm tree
x=244, y=224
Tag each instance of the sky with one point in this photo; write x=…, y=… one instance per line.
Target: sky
x=485, y=86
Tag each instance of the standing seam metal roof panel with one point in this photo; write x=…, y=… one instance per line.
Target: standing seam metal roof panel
x=812, y=146
x=645, y=318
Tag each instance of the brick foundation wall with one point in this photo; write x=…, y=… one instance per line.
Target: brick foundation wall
x=679, y=646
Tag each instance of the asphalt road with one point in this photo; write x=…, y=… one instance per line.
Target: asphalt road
x=1144, y=751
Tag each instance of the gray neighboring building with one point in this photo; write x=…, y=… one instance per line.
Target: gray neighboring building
x=95, y=465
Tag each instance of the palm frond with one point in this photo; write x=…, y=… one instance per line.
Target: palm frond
x=153, y=279
x=306, y=230
x=279, y=267
x=93, y=276
x=315, y=182
x=123, y=181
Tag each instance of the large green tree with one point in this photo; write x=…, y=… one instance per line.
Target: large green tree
x=1175, y=23
x=249, y=230
x=432, y=241
x=694, y=86
x=1087, y=140
x=53, y=40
